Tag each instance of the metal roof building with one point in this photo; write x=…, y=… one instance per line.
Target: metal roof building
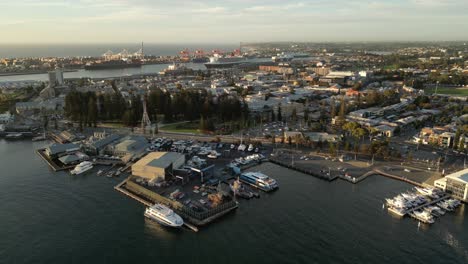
x=158, y=165
x=56, y=149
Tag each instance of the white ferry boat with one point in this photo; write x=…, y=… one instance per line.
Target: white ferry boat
x=259, y=180
x=164, y=215
x=82, y=167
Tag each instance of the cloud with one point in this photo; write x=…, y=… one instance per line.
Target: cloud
x=182, y=20
x=211, y=10
x=270, y=8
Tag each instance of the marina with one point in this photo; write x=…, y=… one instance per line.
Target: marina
x=421, y=206
x=116, y=216
x=203, y=200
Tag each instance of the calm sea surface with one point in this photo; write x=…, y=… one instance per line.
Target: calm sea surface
x=112, y=73
x=83, y=50
x=49, y=217
x=64, y=50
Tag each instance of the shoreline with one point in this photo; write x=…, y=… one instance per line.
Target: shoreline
x=6, y=74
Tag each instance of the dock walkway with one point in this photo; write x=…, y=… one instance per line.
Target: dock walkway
x=378, y=171
x=308, y=172
x=355, y=180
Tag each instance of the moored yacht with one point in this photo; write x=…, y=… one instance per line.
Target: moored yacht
x=82, y=167
x=259, y=180
x=424, y=216
x=164, y=215
x=425, y=191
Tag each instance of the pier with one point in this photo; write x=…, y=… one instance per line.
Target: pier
x=355, y=180
x=395, y=177
x=119, y=188
x=308, y=172
x=51, y=163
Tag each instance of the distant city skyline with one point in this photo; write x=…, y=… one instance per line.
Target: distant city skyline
x=231, y=21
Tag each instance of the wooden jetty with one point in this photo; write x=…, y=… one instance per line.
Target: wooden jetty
x=308, y=172
x=395, y=177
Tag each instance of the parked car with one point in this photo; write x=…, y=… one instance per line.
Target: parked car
x=251, y=148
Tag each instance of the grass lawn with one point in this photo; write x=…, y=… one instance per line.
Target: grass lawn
x=448, y=90
x=111, y=125
x=191, y=127
x=391, y=67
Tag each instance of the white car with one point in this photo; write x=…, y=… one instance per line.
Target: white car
x=212, y=156
x=251, y=147
x=241, y=147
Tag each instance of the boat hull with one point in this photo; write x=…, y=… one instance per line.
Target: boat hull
x=265, y=189
x=80, y=172
x=162, y=222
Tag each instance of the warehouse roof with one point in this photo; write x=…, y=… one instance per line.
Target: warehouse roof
x=59, y=148
x=159, y=159
x=105, y=141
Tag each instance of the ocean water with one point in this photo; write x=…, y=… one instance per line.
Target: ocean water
x=49, y=217
x=69, y=50
x=108, y=73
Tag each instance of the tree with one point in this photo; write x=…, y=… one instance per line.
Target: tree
x=359, y=133
x=456, y=140
x=409, y=158
x=332, y=149
x=92, y=112
x=359, y=101
x=333, y=108
x=279, y=115
x=127, y=117
x=202, y=125
x=357, y=86
x=306, y=115
x=342, y=109
x=347, y=147
x=461, y=148
x=294, y=115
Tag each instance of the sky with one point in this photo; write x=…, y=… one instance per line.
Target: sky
x=230, y=21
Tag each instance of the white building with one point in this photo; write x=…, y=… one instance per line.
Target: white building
x=456, y=184
x=55, y=78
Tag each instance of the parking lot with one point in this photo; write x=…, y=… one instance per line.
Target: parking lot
x=187, y=186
